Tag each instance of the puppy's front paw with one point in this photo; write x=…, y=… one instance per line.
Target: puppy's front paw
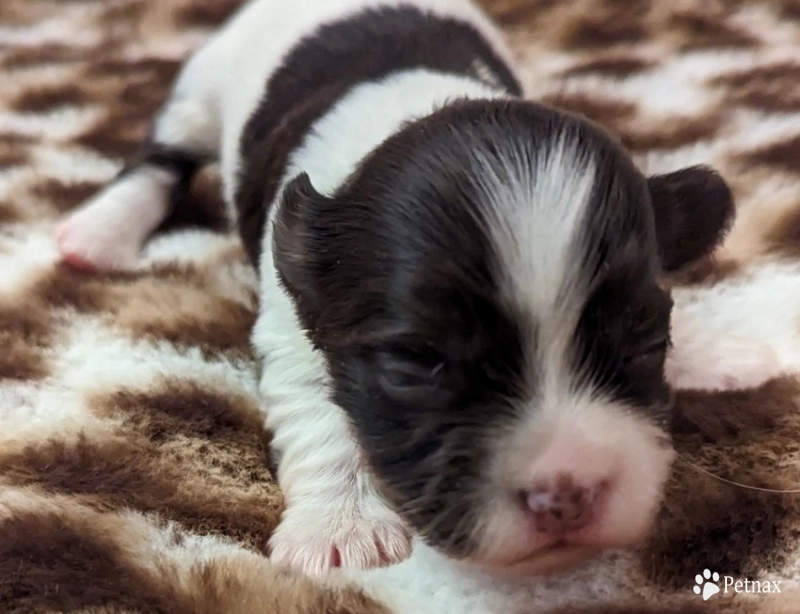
x=728, y=363
x=314, y=538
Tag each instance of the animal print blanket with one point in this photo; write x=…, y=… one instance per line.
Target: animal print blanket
x=134, y=468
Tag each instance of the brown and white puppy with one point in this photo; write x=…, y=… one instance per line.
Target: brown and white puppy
x=461, y=329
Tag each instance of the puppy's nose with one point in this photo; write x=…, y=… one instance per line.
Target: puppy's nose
x=562, y=505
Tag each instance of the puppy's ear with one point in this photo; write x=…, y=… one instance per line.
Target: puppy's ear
x=694, y=209
x=293, y=242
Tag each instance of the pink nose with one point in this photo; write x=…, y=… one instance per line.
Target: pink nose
x=562, y=506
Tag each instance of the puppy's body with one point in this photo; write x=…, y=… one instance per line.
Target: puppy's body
x=461, y=331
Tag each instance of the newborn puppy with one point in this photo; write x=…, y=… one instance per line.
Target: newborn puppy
x=461, y=329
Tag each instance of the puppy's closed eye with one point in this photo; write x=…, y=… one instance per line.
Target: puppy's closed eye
x=650, y=353
x=414, y=377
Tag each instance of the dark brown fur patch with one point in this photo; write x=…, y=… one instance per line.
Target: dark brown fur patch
x=22, y=12
x=62, y=563
x=606, y=24
x=117, y=137
x=47, y=53
x=12, y=155
x=63, y=287
x=749, y=416
x=789, y=9
x=78, y=560
x=702, y=31
x=168, y=303
x=518, y=13
x=207, y=14
x=783, y=155
x=8, y=213
x=619, y=65
x=126, y=14
x=771, y=87
x=178, y=409
x=142, y=96
x=671, y=133
x=709, y=523
x=716, y=526
x=612, y=114
x=138, y=90
x=784, y=236
x=45, y=99
x=65, y=196
x=14, y=149
x=20, y=362
x=25, y=332
x=176, y=483
x=158, y=72
x=246, y=586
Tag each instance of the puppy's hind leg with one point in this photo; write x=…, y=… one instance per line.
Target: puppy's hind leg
x=107, y=232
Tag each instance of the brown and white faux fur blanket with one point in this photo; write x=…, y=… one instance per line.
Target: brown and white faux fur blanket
x=134, y=468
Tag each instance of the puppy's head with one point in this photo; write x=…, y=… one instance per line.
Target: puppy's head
x=484, y=289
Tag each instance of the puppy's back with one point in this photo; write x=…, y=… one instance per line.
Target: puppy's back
x=340, y=59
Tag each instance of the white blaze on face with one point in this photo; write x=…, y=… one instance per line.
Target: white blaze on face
x=538, y=205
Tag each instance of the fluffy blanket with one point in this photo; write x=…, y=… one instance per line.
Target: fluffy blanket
x=134, y=468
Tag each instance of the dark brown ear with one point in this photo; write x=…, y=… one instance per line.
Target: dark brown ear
x=293, y=243
x=694, y=209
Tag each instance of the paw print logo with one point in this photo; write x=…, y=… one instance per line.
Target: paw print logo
x=706, y=584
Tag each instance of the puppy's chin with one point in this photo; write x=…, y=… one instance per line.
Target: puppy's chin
x=520, y=552
x=530, y=555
